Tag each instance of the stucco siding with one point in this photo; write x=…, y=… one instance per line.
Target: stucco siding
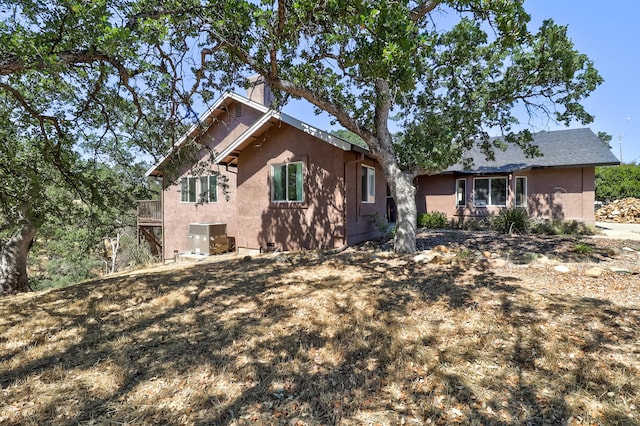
x=436, y=194
x=361, y=225
x=552, y=193
x=317, y=221
x=566, y=194
x=178, y=215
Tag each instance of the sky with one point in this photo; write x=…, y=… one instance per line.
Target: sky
x=609, y=34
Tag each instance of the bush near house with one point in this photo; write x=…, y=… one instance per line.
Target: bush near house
x=433, y=220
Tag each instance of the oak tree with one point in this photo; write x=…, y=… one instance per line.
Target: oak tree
x=450, y=72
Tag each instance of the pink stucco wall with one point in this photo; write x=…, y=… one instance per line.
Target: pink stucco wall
x=177, y=215
x=325, y=218
x=317, y=221
x=554, y=193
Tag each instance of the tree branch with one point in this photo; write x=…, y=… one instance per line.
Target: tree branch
x=42, y=118
x=422, y=9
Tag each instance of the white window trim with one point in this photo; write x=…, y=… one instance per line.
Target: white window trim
x=489, y=203
x=199, y=199
x=182, y=193
x=464, y=195
x=370, y=192
x=272, y=183
x=526, y=191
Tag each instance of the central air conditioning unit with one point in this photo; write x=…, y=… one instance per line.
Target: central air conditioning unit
x=208, y=238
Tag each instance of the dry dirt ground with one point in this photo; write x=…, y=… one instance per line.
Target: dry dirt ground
x=488, y=331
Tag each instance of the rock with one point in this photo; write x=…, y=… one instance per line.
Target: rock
x=561, y=268
x=594, y=272
x=628, y=249
x=487, y=254
x=626, y=210
x=619, y=270
x=424, y=257
x=497, y=263
x=441, y=249
x=485, y=263
x=439, y=259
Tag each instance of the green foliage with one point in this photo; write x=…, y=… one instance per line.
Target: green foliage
x=605, y=138
x=433, y=220
x=102, y=82
x=349, y=137
x=383, y=226
x=511, y=221
x=616, y=182
x=67, y=270
x=583, y=248
x=560, y=227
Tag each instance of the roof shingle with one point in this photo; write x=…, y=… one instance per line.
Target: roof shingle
x=560, y=148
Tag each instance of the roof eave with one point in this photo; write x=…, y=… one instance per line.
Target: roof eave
x=226, y=97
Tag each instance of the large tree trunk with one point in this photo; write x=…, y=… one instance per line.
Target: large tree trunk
x=400, y=182
x=404, y=194
x=13, y=261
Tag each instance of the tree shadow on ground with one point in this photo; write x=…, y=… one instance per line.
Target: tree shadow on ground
x=314, y=338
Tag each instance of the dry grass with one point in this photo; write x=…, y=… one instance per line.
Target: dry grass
x=352, y=339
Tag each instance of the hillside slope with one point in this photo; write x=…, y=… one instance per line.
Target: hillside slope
x=360, y=337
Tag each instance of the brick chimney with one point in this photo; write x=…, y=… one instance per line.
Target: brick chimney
x=259, y=91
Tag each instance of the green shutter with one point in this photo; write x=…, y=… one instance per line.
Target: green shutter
x=278, y=187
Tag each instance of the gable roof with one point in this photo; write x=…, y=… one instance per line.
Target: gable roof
x=270, y=118
x=560, y=148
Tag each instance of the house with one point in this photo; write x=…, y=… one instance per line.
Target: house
x=273, y=181
x=560, y=184
x=252, y=178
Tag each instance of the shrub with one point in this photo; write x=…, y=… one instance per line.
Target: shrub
x=561, y=227
x=432, y=220
x=383, y=226
x=583, y=248
x=510, y=221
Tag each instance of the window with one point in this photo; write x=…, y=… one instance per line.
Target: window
x=205, y=187
x=188, y=190
x=368, y=184
x=286, y=182
x=521, y=191
x=461, y=192
x=208, y=189
x=490, y=191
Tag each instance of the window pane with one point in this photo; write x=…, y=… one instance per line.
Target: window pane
x=499, y=192
x=461, y=192
x=372, y=185
x=204, y=188
x=291, y=182
x=363, y=172
x=213, y=189
x=368, y=185
x=299, y=181
x=521, y=191
x=192, y=189
x=184, y=190
x=481, y=189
